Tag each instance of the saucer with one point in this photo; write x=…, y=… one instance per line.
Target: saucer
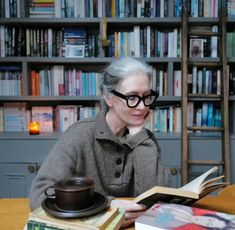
x=100, y=203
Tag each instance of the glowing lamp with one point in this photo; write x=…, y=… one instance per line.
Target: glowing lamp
x=34, y=128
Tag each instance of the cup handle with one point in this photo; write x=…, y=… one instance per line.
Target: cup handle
x=50, y=192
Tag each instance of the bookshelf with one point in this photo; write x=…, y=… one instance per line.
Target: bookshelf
x=170, y=142
x=213, y=99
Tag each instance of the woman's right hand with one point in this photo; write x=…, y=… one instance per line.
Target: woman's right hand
x=132, y=210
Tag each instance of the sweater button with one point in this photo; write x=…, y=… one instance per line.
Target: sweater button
x=117, y=174
x=118, y=161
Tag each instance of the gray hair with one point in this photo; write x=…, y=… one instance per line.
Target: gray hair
x=121, y=68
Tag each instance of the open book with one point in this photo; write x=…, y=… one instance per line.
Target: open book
x=187, y=194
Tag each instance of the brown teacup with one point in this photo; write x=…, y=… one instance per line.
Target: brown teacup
x=72, y=194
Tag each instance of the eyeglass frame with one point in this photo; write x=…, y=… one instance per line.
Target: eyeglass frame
x=125, y=97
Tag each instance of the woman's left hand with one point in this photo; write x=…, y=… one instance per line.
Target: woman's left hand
x=132, y=210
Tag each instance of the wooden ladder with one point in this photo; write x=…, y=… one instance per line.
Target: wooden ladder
x=186, y=162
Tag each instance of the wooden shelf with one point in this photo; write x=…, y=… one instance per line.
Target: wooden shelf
x=205, y=162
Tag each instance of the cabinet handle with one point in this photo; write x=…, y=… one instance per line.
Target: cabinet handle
x=173, y=171
x=38, y=167
x=31, y=169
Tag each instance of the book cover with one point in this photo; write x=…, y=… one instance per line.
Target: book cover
x=196, y=47
x=187, y=194
x=176, y=216
x=101, y=220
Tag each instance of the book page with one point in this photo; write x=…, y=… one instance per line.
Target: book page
x=196, y=184
x=211, y=181
x=159, y=193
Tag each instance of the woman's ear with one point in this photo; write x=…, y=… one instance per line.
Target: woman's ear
x=108, y=100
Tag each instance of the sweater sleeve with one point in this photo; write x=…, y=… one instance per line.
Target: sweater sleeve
x=59, y=164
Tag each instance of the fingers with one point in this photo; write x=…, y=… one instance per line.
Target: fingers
x=133, y=215
x=130, y=218
x=127, y=222
x=133, y=207
x=128, y=205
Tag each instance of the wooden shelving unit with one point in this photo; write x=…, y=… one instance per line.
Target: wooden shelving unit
x=187, y=31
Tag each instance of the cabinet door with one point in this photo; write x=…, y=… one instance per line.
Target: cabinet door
x=170, y=157
x=16, y=179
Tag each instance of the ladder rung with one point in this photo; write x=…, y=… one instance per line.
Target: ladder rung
x=202, y=128
x=208, y=63
x=205, y=162
x=204, y=33
x=211, y=97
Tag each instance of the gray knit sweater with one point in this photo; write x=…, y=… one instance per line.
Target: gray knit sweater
x=119, y=167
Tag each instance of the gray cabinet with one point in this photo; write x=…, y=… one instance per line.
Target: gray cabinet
x=15, y=179
x=20, y=158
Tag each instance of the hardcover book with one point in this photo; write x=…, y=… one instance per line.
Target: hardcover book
x=111, y=218
x=177, y=216
x=187, y=194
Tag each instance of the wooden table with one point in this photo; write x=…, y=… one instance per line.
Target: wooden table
x=14, y=212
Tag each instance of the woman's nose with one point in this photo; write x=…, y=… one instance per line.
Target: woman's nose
x=141, y=105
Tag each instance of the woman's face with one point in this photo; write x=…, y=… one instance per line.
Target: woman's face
x=136, y=84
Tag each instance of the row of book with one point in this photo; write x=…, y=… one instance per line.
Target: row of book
x=206, y=114
x=205, y=8
x=11, y=8
x=145, y=42
x=11, y=81
x=160, y=82
x=167, y=119
x=77, y=42
x=200, y=81
x=41, y=9
x=232, y=82
x=88, y=8
x=231, y=8
x=58, y=81
x=230, y=42
x=138, y=8
x=16, y=116
x=110, y=8
x=47, y=42
x=204, y=81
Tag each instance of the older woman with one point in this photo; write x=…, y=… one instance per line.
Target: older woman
x=114, y=149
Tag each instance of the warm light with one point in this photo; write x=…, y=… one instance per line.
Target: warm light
x=34, y=128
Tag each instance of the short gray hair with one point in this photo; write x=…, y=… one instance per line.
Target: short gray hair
x=121, y=68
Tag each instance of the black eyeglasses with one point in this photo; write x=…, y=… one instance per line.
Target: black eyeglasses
x=134, y=100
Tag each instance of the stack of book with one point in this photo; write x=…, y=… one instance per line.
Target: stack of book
x=15, y=116
x=42, y=9
x=110, y=219
x=43, y=115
